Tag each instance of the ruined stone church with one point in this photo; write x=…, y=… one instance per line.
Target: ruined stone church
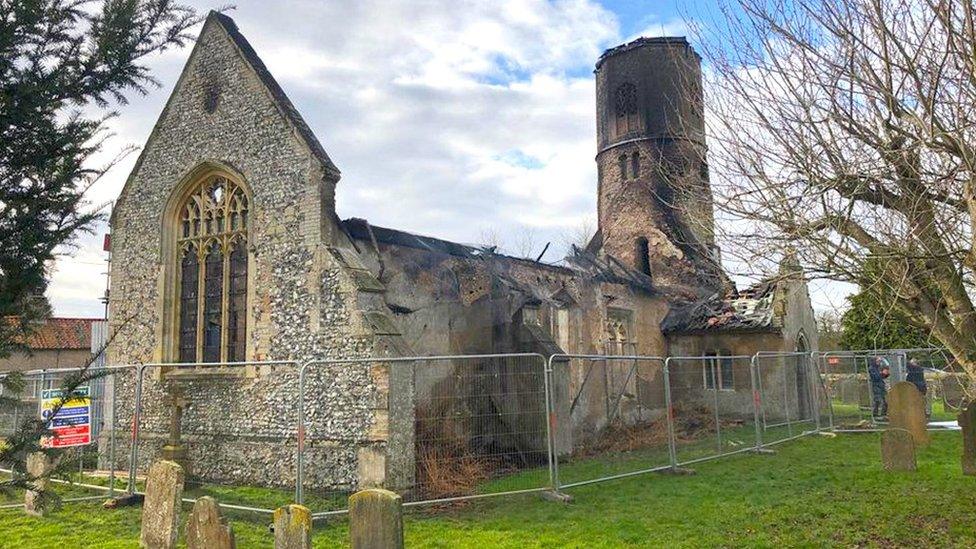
x=227, y=248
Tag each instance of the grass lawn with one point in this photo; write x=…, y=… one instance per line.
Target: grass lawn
x=845, y=413
x=814, y=492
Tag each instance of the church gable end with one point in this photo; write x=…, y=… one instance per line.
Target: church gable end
x=221, y=254
x=226, y=115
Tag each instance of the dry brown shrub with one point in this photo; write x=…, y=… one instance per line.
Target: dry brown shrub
x=446, y=466
x=691, y=423
x=618, y=437
x=449, y=470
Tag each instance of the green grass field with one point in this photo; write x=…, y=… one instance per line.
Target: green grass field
x=846, y=413
x=815, y=492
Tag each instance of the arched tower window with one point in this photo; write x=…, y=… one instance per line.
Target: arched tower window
x=801, y=342
x=625, y=108
x=635, y=165
x=643, y=258
x=212, y=267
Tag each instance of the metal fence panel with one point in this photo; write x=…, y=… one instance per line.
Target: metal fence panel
x=848, y=388
x=460, y=427
x=94, y=470
x=713, y=406
x=791, y=396
x=235, y=422
x=848, y=384
x=610, y=417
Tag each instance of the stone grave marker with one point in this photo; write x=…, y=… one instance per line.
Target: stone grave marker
x=206, y=529
x=375, y=520
x=292, y=527
x=967, y=424
x=906, y=410
x=161, y=508
x=38, y=466
x=898, y=450
x=953, y=389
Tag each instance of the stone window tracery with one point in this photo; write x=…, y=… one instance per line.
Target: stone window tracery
x=625, y=108
x=212, y=258
x=619, y=332
x=625, y=99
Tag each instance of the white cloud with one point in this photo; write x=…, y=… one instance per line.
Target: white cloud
x=418, y=104
x=422, y=105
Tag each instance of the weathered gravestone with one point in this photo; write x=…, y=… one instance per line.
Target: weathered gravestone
x=906, y=410
x=954, y=391
x=206, y=529
x=848, y=388
x=967, y=422
x=161, y=508
x=898, y=450
x=864, y=392
x=375, y=520
x=38, y=467
x=292, y=527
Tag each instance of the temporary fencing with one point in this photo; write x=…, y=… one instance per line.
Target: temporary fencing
x=90, y=469
x=792, y=396
x=443, y=428
x=610, y=417
x=848, y=383
x=478, y=428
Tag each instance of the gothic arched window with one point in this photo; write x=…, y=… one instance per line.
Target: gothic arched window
x=212, y=267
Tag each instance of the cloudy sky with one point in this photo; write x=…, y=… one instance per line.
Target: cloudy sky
x=469, y=120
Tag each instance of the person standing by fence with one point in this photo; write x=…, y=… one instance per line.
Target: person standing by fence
x=916, y=376
x=878, y=371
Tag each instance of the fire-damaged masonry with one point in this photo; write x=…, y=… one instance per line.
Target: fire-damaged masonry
x=227, y=248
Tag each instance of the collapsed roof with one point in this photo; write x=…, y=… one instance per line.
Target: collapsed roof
x=582, y=263
x=749, y=310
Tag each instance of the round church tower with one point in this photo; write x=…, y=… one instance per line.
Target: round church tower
x=655, y=203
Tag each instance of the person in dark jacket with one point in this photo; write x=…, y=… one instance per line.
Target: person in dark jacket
x=916, y=376
x=877, y=371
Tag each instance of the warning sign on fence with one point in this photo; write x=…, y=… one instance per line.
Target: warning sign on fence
x=71, y=426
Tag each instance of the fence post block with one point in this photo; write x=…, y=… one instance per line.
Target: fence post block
x=292, y=527
x=557, y=496
x=375, y=520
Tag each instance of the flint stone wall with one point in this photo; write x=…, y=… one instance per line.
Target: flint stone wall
x=302, y=303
